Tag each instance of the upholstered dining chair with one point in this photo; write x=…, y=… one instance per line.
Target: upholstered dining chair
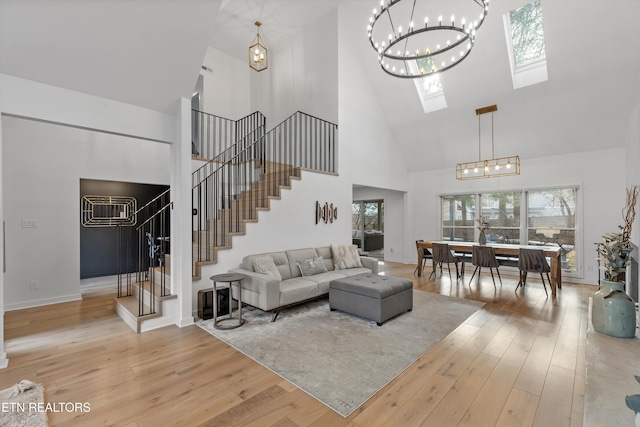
x=485, y=256
x=426, y=254
x=442, y=254
x=533, y=261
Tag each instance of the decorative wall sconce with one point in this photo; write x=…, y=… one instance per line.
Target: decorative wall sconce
x=326, y=212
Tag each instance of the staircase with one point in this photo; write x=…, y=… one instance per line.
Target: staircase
x=229, y=191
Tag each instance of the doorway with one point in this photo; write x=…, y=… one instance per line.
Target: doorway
x=368, y=226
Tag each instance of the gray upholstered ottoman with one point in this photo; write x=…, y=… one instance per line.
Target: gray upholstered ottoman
x=371, y=296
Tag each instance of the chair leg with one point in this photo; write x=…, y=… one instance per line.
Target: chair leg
x=493, y=278
x=498, y=271
x=474, y=273
x=520, y=281
x=543, y=285
x=449, y=268
x=457, y=271
x=434, y=266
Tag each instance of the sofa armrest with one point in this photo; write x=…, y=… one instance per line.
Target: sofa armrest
x=260, y=290
x=370, y=263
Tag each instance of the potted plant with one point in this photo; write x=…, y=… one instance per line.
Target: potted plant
x=613, y=311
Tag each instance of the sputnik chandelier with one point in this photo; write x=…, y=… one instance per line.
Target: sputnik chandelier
x=488, y=168
x=415, y=39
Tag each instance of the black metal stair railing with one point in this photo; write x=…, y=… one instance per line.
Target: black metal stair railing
x=150, y=242
x=211, y=135
x=230, y=190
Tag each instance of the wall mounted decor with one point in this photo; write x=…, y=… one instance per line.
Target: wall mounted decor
x=326, y=212
x=107, y=211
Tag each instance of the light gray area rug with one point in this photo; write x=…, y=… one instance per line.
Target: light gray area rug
x=21, y=405
x=340, y=359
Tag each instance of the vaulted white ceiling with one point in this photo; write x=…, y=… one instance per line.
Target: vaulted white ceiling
x=148, y=53
x=587, y=104
x=145, y=53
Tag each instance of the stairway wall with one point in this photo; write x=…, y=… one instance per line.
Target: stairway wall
x=289, y=224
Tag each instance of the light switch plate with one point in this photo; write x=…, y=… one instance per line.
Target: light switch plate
x=29, y=223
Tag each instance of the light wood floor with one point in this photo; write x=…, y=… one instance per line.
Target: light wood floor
x=520, y=360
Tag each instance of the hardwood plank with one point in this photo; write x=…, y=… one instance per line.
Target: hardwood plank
x=491, y=399
x=82, y=351
x=554, y=407
x=455, y=403
x=519, y=410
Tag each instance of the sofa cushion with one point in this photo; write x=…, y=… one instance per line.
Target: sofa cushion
x=297, y=289
x=296, y=255
x=279, y=258
x=325, y=253
x=345, y=257
x=312, y=266
x=266, y=265
x=324, y=279
x=355, y=271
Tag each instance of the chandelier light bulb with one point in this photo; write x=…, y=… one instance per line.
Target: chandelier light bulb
x=475, y=169
x=463, y=22
x=400, y=31
x=453, y=18
x=497, y=167
x=426, y=21
x=466, y=170
x=411, y=26
x=509, y=165
x=440, y=20
x=375, y=12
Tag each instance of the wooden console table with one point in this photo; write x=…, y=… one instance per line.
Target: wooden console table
x=552, y=252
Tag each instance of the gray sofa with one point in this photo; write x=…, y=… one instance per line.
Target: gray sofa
x=269, y=293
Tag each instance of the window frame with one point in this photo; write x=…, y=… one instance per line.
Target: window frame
x=579, y=248
x=526, y=74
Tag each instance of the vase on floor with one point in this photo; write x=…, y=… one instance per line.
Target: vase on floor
x=613, y=312
x=483, y=238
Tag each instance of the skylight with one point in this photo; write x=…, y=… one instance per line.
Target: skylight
x=429, y=88
x=525, y=41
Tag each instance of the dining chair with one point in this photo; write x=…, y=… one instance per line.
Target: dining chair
x=485, y=256
x=442, y=254
x=533, y=261
x=426, y=254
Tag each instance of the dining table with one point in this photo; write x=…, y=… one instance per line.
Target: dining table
x=554, y=253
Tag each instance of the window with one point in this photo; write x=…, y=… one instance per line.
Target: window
x=526, y=45
x=551, y=218
x=429, y=88
x=503, y=212
x=458, y=217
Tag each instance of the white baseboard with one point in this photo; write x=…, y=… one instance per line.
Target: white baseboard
x=41, y=302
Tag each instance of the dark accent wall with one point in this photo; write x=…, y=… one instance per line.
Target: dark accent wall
x=98, y=244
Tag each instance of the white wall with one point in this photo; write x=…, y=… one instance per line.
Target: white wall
x=226, y=90
x=632, y=162
x=600, y=199
x=42, y=165
x=368, y=153
x=301, y=76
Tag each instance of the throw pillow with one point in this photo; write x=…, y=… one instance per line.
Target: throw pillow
x=309, y=267
x=345, y=257
x=265, y=265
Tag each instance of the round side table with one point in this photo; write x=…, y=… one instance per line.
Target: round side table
x=232, y=279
